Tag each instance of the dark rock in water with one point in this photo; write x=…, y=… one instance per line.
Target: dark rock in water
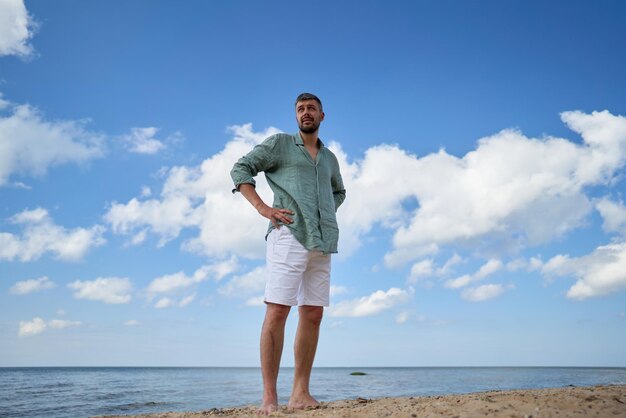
x=357, y=374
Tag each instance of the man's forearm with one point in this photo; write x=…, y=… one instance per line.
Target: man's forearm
x=275, y=215
x=249, y=192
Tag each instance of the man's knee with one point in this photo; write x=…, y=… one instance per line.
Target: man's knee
x=312, y=314
x=276, y=313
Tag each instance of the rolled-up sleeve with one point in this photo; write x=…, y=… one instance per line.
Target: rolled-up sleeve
x=261, y=158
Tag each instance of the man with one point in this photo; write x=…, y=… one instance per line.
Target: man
x=304, y=176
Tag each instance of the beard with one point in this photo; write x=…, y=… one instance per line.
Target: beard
x=309, y=129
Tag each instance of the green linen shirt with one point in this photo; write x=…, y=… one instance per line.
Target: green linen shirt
x=311, y=189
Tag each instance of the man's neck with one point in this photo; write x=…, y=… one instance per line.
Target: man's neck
x=310, y=140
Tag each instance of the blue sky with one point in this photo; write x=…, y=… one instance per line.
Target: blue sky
x=483, y=147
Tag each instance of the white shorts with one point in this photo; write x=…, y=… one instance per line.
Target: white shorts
x=296, y=276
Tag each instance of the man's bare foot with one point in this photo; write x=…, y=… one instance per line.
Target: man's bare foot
x=267, y=408
x=302, y=402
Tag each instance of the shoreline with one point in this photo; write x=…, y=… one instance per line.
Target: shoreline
x=581, y=401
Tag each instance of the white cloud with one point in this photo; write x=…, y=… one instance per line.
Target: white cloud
x=421, y=269
x=142, y=141
x=29, y=144
x=531, y=264
x=20, y=185
x=164, y=303
x=132, y=323
x=111, y=290
x=223, y=268
x=487, y=269
x=337, y=290
x=146, y=191
x=482, y=293
x=426, y=268
x=614, y=215
x=448, y=267
x=256, y=301
x=164, y=218
x=33, y=285
x=34, y=327
x=168, y=302
x=509, y=193
x=373, y=304
x=171, y=283
x=4, y=103
x=41, y=235
x=187, y=300
x=62, y=323
x=138, y=238
x=16, y=28
x=535, y=263
x=38, y=325
x=200, y=197
x=459, y=282
x=245, y=284
x=402, y=317
x=600, y=273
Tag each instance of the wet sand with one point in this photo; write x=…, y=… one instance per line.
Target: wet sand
x=596, y=401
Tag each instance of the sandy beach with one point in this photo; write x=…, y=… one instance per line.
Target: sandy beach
x=596, y=401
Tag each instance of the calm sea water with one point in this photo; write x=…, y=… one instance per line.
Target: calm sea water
x=84, y=392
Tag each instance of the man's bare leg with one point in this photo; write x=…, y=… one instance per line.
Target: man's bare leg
x=272, y=337
x=304, y=350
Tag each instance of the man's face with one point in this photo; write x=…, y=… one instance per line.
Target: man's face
x=309, y=116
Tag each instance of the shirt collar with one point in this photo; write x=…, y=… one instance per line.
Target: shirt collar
x=300, y=142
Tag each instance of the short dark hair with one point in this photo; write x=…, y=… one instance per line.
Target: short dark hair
x=308, y=96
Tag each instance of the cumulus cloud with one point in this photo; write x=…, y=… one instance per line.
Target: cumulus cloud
x=187, y=300
x=111, y=290
x=256, y=301
x=34, y=327
x=164, y=218
x=337, y=290
x=402, y=317
x=16, y=29
x=530, y=264
x=373, y=304
x=177, y=282
x=487, y=269
x=423, y=268
x=41, y=235
x=164, y=303
x=613, y=214
x=171, y=282
x=4, y=103
x=30, y=286
x=38, y=325
x=62, y=323
x=494, y=193
x=142, y=141
x=427, y=268
x=245, y=284
x=30, y=144
x=482, y=293
x=168, y=302
x=146, y=191
x=200, y=197
x=600, y=273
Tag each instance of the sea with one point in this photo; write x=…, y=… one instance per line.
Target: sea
x=93, y=391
